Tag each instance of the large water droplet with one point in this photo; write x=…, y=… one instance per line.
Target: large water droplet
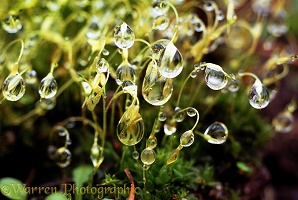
x=162, y=117
x=187, y=138
x=96, y=155
x=258, y=95
x=125, y=72
x=48, y=87
x=12, y=24
x=62, y=157
x=148, y=156
x=161, y=22
x=159, y=8
x=171, y=62
x=156, y=89
x=216, y=133
x=13, y=87
x=179, y=114
x=124, y=36
x=215, y=77
x=283, y=122
x=130, y=129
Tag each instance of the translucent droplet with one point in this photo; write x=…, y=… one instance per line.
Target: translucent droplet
x=125, y=72
x=157, y=50
x=162, y=117
x=62, y=157
x=187, y=138
x=156, y=89
x=170, y=128
x=277, y=24
x=220, y=15
x=124, y=36
x=283, y=122
x=171, y=62
x=105, y=52
x=197, y=23
x=151, y=142
x=96, y=155
x=12, y=24
x=94, y=30
x=47, y=104
x=102, y=65
x=208, y=6
x=159, y=8
x=233, y=86
x=86, y=87
x=200, y=66
x=215, y=77
x=130, y=129
x=129, y=87
x=261, y=6
x=258, y=95
x=191, y=112
x=174, y=155
x=161, y=22
x=13, y=87
x=31, y=77
x=148, y=156
x=135, y=155
x=61, y=131
x=179, y=114
x=48, y=87
x=193, y=74
x=216, y=133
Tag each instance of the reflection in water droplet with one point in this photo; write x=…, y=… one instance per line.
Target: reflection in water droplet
x=48, y=87
x=151, y=142
x=148, y=156
x=179, y=114
x=159, y=8
x=283, y=122
x=233, y=86
x=157, y=50
x=217, y=133
x=156, y=89
x=31, y=77
x=102, y=65
x=13, y=87
x=125, y=72
x=215, y=77
x=258, y=95
x=162, y=117
x=61, y=131
x=135, y=155
x=187, y=138
x=94, y=30
x=96, y=155
x=124, y=36
x=220, y=15
x=191, y=112
x=170, y=128
x=12, y=24
x=47, y=104
x=105, y=52
x=208, y=6
x=161, y=22
x=171, y=62
x=62, y=157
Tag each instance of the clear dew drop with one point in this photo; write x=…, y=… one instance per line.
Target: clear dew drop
x=159, y=8
x=151, y=142
x=86, y=87
x=277, y=24
x=283, y=122
x=156, y=89
x=191, y=112
x=169, y=128
x=161, y=22
x=215, y=77
x=96, y=155
x=61, y=131
x=130, y=129
x=135, y=155
x=48, y=87
x=193, y=74
x=208, y=6
x=102, y=65
x=217, y=133
x=220, y=15
x=171, y=62
x=196, y=23
x=261, y=7
x=125, y=72
x=162, y=117
x=148, y=156
x=31, y=77
x=105, y=52
x=94, y=30
x=13, y=87
x=233, y=86
x=62, y=157
x=187, y=138
x=124, y=36
x=179, y=114
x=157, y=50
x=12, y=24
x=47, y=104
x=258, y=95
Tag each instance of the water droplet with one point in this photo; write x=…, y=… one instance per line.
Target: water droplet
x=283, y=122
x=171, y=62
x=125, y=72
x=62, y=157
x=170, y=128
x=48, y=87
x=157, y=50
x=197, y=23
x=94, y=31
x=13, y=87
x=130, y=87
x=220, y=15
x=187, y=138
x=31, y=77
x=174, y=155
x=161, y=22
x=258, y=95
x=191, y=112
x=148, y=156
x=159, y=8
x=124, y=36
x=12, y=24
x=162, y=117
x=261, y=7
x=96, y=155
x=208, y=6
x=215, y=77
x=200, y=66
x=145, y=167
x=179, y=114
x=135, y=155
x=156, y=89
x=61, y=131
x=151, y=142
x=130, y=129
x=86, y=87
x=105, y=52
x=216, y=133
x=277, y=24
x=233, y=86
x=102, y=65
x=193, y=74
x=47, y=104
